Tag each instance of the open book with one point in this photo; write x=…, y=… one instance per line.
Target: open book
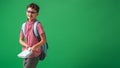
x=24, y=54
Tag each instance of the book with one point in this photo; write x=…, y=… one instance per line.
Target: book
x=25, y=54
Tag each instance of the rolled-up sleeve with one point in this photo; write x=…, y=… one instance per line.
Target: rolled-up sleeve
x=40, y=28
x=21, y=34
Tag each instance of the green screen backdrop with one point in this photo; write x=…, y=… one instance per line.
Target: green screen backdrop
x=80, y=33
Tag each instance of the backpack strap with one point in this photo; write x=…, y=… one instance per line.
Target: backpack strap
x=23, y=28
x=36, y=31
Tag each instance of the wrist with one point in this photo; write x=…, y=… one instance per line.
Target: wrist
x=27, y=46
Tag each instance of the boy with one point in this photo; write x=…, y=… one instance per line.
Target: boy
x=31, y=41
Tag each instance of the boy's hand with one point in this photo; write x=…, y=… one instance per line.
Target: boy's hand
x=27, y=47
x=33, y=49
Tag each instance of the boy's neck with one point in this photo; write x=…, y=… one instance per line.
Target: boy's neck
x=31, y=20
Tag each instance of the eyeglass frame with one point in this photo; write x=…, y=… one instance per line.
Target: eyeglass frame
x=32, y=12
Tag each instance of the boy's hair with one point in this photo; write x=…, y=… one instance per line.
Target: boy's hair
x=34, y=6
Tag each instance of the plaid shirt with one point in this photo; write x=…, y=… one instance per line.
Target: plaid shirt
x=30, y=38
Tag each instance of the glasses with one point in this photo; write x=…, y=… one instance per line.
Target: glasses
x=32, y=12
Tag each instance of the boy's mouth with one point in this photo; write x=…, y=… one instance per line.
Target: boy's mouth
x=30, y=16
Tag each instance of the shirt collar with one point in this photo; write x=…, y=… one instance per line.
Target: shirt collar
x=31, y=22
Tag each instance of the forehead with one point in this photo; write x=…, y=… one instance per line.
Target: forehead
x=30, y=9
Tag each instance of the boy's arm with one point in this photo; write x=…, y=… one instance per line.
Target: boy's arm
x=43, y=41
x=21, y=40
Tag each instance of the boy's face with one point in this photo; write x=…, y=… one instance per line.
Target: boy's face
x=31, y=13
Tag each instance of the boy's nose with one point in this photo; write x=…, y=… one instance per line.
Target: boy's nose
x=29, y=14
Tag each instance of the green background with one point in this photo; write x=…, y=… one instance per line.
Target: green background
x=80, y=33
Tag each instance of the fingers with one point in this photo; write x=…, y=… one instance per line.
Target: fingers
x=27, y=47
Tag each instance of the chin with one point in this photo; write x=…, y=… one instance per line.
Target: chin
x=30, y=19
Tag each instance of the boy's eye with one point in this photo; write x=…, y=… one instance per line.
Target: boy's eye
x=31, y=12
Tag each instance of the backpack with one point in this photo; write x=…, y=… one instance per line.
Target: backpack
x=44, y=47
